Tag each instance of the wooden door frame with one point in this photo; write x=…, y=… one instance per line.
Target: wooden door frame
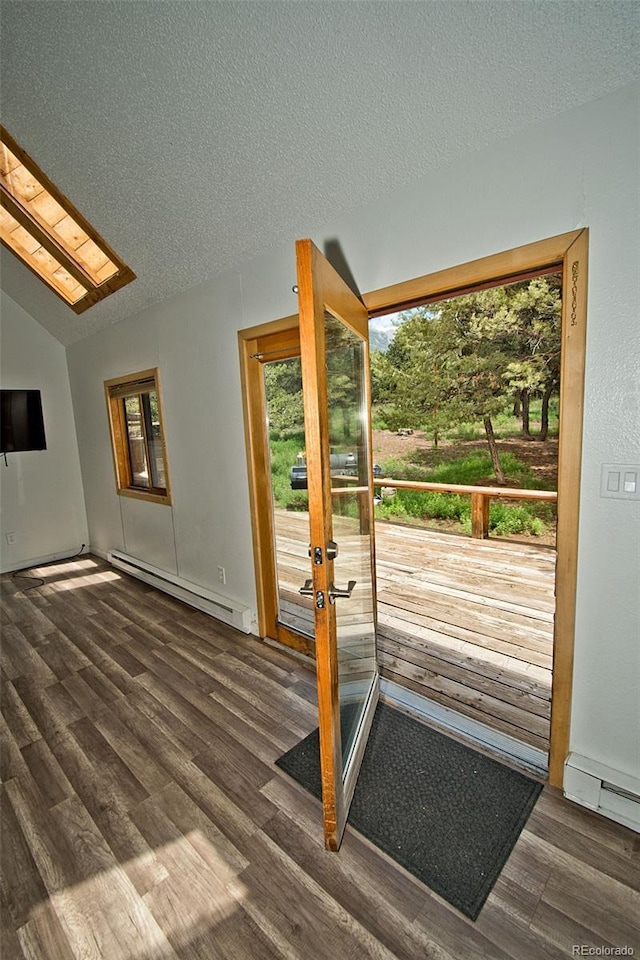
x=568, y=254
x=268, y=340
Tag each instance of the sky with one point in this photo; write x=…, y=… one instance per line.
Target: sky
x=382, y=330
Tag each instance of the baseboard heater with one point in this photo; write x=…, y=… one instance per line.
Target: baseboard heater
x=607, y=791
x=222, y=608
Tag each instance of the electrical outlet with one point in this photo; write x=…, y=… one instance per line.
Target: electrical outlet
x=222, y=575
x=10, y=538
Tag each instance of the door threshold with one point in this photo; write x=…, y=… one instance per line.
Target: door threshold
x=291, y=651
x=475, y=734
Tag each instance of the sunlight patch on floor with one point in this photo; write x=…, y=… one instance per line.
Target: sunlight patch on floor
x=105, y=915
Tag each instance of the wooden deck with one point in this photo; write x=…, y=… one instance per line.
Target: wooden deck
x=467, y=623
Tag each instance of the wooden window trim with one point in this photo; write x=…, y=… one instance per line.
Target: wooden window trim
x=120, y=437
x=566, y=253
x=96, y=291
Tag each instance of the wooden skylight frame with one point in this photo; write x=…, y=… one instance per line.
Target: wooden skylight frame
x=51, y=237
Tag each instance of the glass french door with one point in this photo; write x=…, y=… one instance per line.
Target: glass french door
x=287, y=485
x=341, y=585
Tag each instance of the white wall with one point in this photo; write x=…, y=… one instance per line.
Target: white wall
x=192, y=340
x=41, y=496
x=580, y=169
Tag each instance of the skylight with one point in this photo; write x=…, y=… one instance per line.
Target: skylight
x=50, y=236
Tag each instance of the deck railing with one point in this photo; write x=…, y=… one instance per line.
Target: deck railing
x=481, y=497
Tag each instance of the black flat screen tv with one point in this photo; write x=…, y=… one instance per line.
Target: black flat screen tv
x=21, y=423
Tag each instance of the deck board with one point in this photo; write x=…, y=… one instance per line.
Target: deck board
x=467, y=623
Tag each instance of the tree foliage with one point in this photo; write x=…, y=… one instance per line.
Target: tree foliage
x=284, y=394
x=464, y=358
x=283, y=390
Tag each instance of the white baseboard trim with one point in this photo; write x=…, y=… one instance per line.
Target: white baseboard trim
x=214, y=604
x=29, y=564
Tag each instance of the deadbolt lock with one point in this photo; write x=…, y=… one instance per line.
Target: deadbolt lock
x=316, y=552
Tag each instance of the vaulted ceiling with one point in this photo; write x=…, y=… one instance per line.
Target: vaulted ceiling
x=196, y=135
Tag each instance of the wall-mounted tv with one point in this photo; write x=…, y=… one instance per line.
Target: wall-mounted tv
x=21, y=423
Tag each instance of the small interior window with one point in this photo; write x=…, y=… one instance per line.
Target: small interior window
x=137, y=436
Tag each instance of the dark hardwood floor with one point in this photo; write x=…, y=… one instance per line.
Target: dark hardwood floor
x=143, y=817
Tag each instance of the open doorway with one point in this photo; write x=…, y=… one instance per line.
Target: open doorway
x=465, y=395
x=567, y=254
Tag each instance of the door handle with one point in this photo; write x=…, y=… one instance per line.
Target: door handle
x=336, y=592
x=307, y=591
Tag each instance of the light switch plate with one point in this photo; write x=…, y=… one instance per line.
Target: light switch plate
x=620, y=481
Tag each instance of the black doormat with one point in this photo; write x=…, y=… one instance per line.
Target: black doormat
x=447, y=814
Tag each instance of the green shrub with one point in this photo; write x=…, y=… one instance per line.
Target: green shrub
x=437, y=506
x=414, y=505
x=504, y=518
x=466, y=431
x=283, y=457
x=507, y=519
x=390, y=509
x=297, y=500
x=466, y=470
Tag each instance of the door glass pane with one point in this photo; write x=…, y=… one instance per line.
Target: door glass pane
x=154, y=438
x=137, y=452
x=288, y=478
x=352, y=519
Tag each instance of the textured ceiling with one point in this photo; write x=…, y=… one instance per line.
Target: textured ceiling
x=197, y=135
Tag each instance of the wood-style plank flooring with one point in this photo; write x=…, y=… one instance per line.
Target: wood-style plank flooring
x=467, y=623
x=143, y=817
